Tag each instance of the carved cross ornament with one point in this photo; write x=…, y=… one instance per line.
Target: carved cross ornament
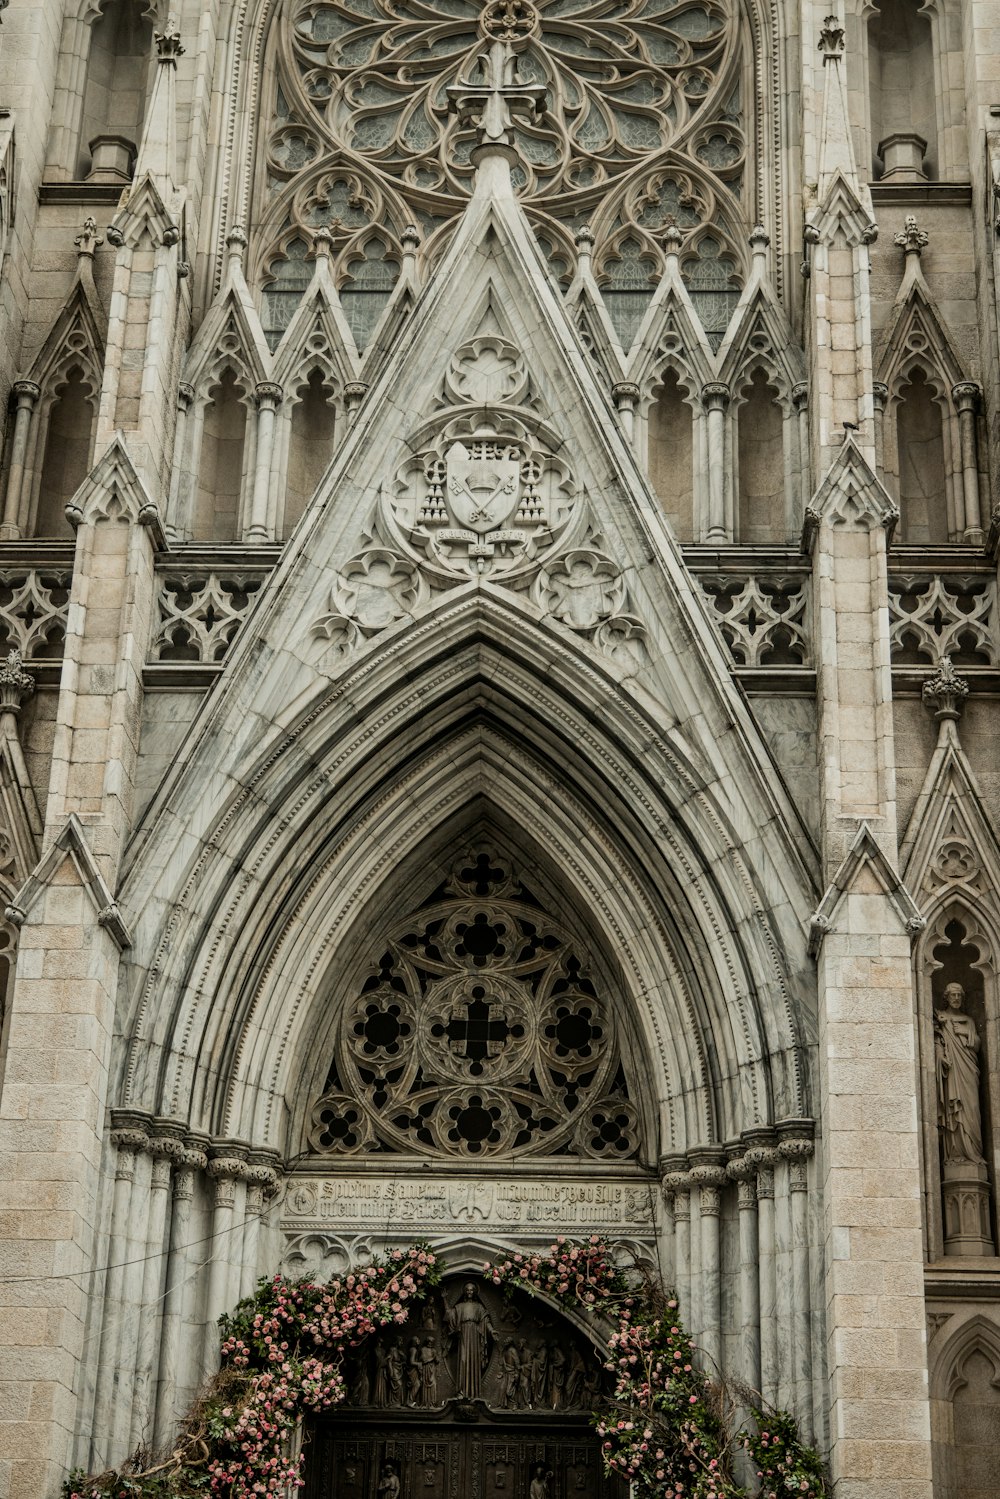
x=492, y=99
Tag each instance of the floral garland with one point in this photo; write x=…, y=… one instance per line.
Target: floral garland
x=668, y=1430
x=282, y=1355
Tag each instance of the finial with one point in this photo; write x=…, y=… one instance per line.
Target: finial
x=759, y=239
x=672, y=238
x=168, y=42
x=492, y=99
x=831, y=39
x=236, y=242
x=15, y=683
x=322, y=243
x=410, y=239
x=944, y=694
x=87, y=241
x=910, y=239
x=584, y=240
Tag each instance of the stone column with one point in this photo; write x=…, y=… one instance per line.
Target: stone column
x=164, y=1149
x=715, y=400
x=268, y=398
x=354, y=393
x=880, y=398
x=796, y=1150
x=262, y=1183
x=709, y=1178
x=676, y=1182
x=744, y=1174
x=26, y=394
x=228, y=1172
x=176, y=523
x=800, y=402
x=128, y=1142
x=625, y=395
x=175, y=1374
x=761, y=1158
x=966, y=397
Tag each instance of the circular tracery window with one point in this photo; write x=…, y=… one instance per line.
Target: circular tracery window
x=478, y=1032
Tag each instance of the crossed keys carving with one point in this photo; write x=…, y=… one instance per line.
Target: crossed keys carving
x=505, y=486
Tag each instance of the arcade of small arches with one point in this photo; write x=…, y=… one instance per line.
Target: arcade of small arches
x=643, y=202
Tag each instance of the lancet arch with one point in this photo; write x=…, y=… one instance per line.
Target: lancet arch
x=659, y=877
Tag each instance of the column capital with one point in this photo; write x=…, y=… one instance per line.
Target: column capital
x=268, y=394
x=26, y=392
x=716, y=395
x=966, y=395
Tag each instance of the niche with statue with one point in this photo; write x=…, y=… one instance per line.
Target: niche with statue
x=962, y=1094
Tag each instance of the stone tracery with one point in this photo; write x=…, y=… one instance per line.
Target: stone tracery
x=480, y=1031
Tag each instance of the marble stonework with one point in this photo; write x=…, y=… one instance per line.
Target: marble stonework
x=498, y=671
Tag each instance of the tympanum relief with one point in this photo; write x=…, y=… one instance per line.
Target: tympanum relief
x=471, y=1345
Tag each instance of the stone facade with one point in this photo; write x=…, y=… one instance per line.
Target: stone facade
x=498, y=724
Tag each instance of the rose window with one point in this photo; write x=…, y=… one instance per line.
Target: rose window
x=479, y=1031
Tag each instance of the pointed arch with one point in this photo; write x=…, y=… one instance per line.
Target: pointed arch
x=965, y=1391
x=492, y=715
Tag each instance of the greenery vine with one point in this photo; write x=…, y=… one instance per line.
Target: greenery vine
x=670, y=1429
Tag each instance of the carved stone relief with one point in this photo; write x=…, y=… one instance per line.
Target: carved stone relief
x=485, y=491
x=469, y=1344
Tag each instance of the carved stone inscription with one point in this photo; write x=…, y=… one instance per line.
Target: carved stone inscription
x=387, y=1203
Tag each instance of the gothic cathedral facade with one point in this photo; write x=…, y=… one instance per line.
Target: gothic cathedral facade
x=499, y=726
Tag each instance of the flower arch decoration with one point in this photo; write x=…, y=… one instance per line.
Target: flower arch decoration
x=668, y=1429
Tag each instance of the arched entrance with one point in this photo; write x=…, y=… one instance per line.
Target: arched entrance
x=477, y=1397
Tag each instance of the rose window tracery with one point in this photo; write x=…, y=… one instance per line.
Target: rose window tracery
x=479, y=1031
x=642, y=128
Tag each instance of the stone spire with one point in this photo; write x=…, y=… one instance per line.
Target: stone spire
x=158, y=147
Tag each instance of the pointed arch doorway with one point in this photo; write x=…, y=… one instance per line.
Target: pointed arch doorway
x=477, y=1397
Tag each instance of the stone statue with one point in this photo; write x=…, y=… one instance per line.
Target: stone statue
x=469, y=1322
x=362, y=1391
x=956, y=1048
x=388, y=1484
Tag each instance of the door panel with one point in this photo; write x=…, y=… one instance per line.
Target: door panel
x=447, y=1462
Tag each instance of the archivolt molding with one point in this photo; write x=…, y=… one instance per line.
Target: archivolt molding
x=748, y=1025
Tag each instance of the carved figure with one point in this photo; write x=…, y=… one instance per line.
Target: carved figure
x=510, y=1377
x=414, y=1378
x=956, y=1046
x=394, y=1365
x=540, y=1478
x=362, y=1390
x=469, y=1322
x=539, y=1374
x=524, y=1372
x=557, y=1377
x=575, y=1377
x=428, y=1372
x=388, y=1485
x=381, y=1374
